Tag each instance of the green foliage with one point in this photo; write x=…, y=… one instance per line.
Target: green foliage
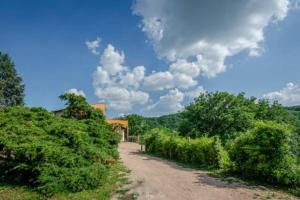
x=218, y=113
x=78, y=108
x=226, y=115
x=139, y=125
x=264, y=153
x=102, y=192
x=254, y=138
x=136, y=123
x=11, y=87
x=170, y=122
x=294, y=108
x=203, y=151
x=55, y=154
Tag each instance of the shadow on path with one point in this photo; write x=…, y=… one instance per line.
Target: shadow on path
x=203, y=177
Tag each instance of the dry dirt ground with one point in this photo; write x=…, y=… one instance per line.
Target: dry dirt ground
x=155, y=178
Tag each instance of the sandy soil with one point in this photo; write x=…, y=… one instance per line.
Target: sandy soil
x=154, y=178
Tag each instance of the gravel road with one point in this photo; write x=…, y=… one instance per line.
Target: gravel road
x=155, y=178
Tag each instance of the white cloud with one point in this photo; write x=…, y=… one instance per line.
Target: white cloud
x=207, y=32
x=101, y=77
x=76, y=92
x=184, y=67
x=289, y=95
x=295, y=4
x=120, y=87
x=93, y=45
x=168, y=103
x=195, y=92
x=158, y=81
x=112, y=60
x=121, y=99
x=168, y=80
x=183, y=81
x=117, y=85
x=133, y=78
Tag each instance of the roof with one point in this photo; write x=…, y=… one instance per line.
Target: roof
x=100, y=106
x=123, y=123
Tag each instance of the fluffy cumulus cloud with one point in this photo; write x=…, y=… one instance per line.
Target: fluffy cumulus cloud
x=133, y=78
x=120, y=98
x=184, y=67
x=167, y=80
x=295, y=4
x=195, y=38
x=191, y=94
x=115, y=84
x=76, y=92
x=168, y=103
x=112, y=60
x=122, y=87
x=93, y=45
x=202, y=34
x=289, y=95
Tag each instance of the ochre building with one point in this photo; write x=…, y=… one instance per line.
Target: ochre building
x=122, y=123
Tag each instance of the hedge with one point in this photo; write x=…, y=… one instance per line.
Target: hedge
x=204, y=151
x=263, y=152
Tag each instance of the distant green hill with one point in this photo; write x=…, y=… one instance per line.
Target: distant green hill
x=170, y=121
x=295, y=110
x=140, y=124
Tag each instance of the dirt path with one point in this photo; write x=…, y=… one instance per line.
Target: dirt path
x=154, y=178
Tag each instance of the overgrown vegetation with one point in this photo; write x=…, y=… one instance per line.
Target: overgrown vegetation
x=104, y=191
x=204, y=151
x=295, y=110
x=226, y=115
x=140, y=124
x=11, y=86
x=53, y=154
x=245, y=136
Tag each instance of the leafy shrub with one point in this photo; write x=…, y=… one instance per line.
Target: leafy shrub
x=264, y=153
x=54, y=154
x=203, y=151
x=224, y=115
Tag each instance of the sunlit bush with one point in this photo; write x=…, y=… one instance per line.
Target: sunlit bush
x=203, y=151
x=54, y=154
x=265, y=153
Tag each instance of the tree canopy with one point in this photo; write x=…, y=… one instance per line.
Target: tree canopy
x=11, y=86
x=224, y=114
x=78, y=108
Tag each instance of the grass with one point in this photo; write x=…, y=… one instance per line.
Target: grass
x=113, y=184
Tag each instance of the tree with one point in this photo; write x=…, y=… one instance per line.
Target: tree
x=78, y=108
x=218, y=113
x=11, y=86
x=225, y=114
x=136, y=124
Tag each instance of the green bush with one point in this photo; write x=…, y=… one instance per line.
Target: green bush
x=202, y=151
x=264, y=153
x=54, y=154
x=224, y=115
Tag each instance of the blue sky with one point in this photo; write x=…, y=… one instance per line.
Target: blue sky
x=47, y=41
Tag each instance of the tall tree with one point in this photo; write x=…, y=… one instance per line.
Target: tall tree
x=11, y=86
x=224, y=114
